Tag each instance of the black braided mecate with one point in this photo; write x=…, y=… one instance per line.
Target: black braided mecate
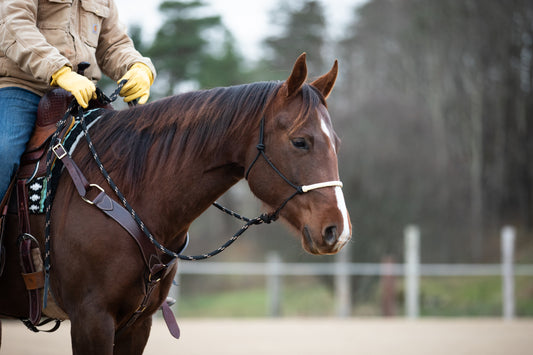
x=264, y=218
x=142, y=226
x=74, y=108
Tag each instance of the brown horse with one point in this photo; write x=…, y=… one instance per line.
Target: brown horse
x=172, y=158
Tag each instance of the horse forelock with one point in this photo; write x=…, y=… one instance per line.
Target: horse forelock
x=311, y=99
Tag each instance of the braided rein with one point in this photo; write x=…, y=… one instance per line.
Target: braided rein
x=263, y=218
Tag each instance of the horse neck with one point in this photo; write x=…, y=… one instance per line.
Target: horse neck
x=175, y=196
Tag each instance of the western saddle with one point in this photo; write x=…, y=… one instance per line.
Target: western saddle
x=52, y=107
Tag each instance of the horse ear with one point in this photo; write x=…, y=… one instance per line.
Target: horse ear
x=298, y=75
x=325, y=83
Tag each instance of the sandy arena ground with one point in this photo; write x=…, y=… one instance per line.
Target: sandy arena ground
x=307, y=336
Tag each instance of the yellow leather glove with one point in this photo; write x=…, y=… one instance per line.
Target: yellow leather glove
x=81, y=87
x=140, y=78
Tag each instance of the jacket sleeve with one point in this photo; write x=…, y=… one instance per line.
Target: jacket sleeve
x=115, y=52
x=22, y=42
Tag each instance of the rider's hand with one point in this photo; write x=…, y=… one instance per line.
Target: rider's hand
x=81, y=87
x=140, y=78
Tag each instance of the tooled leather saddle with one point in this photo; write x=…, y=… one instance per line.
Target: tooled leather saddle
x=51, y=109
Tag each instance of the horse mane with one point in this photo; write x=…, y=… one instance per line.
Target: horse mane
x=183, y=127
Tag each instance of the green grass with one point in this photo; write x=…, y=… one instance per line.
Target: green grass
x=461, y=296
x=524, y=296
x=308, y=300
x=309, y=297
x=238, y=303
x=472, y=296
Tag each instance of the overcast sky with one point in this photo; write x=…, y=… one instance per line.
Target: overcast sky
x=248, y=20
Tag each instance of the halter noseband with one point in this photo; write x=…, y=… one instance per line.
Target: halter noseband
x=300, y=189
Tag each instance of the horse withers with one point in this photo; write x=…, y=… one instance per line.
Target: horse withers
x=172, y=158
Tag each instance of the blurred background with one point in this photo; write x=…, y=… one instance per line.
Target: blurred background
x=433, y=105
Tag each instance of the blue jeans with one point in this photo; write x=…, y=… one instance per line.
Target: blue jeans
x=18, y=112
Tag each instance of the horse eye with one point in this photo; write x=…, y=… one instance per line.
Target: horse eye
x=300, y=143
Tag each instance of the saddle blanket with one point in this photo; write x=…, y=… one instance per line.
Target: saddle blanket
x=37, y=186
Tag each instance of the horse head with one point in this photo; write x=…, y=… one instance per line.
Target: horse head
x=294, y=170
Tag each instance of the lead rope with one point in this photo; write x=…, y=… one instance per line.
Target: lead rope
x=49, y=194
x=263, y=218
x=144, y=228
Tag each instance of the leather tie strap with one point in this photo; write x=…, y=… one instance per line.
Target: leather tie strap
x=168, y=316
x=22, y=202
x=33, y=281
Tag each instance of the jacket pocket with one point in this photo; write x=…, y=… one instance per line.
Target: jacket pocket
x=54, y=14
x=93, y=13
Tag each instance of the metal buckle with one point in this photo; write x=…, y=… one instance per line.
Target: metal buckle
x=86, y=199
x=158, y=278
x=141, y=308
x=58, y=146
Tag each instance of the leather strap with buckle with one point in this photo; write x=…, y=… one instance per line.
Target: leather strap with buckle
x=151, y=256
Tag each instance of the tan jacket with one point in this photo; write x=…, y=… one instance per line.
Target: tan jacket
x=38, y=37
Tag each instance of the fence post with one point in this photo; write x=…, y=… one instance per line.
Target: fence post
x=274, y=284
x=342, y=282
x=508, y=235
x=412, y=270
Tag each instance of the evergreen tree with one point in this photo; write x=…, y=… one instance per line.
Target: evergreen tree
x=135, y=33
x=446, y=86
x=180, y=50
x=303, y=29
x=224, y=68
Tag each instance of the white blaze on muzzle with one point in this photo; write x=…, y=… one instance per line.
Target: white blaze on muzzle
x=341, y=204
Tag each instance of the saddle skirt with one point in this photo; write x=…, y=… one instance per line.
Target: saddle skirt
x=36, y=182
x=52, y=108
x=27, y=193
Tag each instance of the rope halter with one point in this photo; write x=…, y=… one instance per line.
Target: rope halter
x=299, y=189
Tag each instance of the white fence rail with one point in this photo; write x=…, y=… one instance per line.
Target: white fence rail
x=274, y=270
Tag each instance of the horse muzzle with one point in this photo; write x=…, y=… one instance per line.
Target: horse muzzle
x=329, y=241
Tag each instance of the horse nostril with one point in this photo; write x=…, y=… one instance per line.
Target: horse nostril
x=330, y=235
